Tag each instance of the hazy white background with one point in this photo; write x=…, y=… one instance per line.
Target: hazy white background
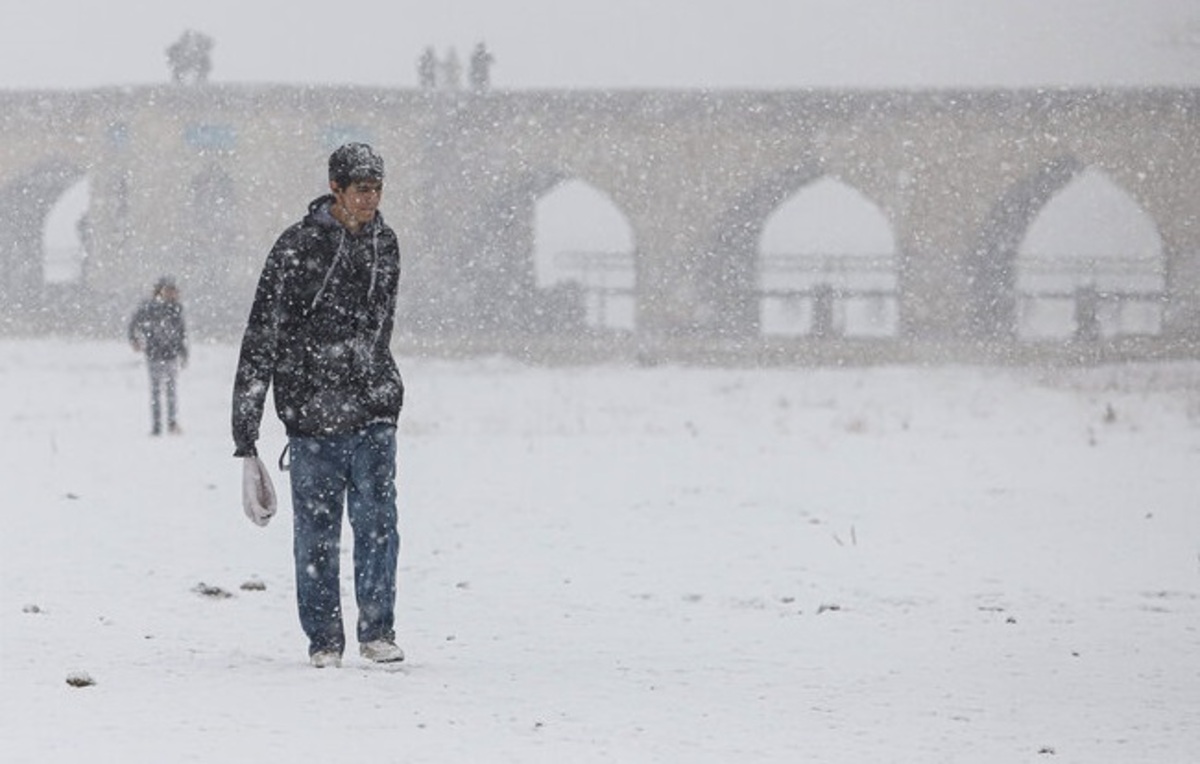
x=617, y=43
x=647, y=565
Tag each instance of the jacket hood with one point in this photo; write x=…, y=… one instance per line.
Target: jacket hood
x=319, y=215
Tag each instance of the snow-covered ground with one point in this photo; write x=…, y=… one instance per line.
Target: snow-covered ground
x=607, y=564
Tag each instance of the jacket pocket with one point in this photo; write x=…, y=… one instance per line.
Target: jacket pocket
x=332, y=412
x=385, y=392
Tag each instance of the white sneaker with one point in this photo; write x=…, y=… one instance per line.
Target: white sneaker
x=325, y=659
x=381, y=651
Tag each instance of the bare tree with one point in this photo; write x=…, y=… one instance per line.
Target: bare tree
x=190, y=58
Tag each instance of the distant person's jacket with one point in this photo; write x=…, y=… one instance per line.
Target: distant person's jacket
x=320, y=331
x=157, y=327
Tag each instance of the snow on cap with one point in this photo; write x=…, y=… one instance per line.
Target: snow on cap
x=354, y=162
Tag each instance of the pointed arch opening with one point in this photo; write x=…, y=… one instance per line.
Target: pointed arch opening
x=827, y=265
x=584, y=255
x=67, y=235
x=36, y=233
x=1090, y=265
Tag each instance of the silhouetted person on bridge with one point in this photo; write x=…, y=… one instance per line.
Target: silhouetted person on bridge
x=481, y=67
x=451, y=71
x=427, y=66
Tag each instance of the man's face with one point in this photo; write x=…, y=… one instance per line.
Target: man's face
x=359, y=200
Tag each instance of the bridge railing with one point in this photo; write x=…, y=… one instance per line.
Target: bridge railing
x=822, y=295
x=1089, y=297
x=835, y=295
x=608, y=281
x=62, y=264
x=828, y=295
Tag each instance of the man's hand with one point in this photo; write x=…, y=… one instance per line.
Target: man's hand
x=258, y=494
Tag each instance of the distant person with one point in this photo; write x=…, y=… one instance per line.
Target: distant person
x=158, y=330
x=320, y=332
x=427, y=70
x=481, y=67
x=451, y=71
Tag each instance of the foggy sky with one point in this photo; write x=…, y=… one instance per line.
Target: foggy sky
x=617, y=43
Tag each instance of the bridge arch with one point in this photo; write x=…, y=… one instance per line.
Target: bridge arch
x=26, y=200
x=1091, y=264
x=827, y=256
x=994, y=267
x=66, y=234
x=585, y=250
x=729, y=304
x=992, y=271
x=494, y=278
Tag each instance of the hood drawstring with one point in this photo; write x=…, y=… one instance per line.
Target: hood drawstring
x=332, y=267
x=341, y=253
x=379, y=321
x=374, y=260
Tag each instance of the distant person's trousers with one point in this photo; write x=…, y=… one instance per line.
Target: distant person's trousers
x=357, y=472
x=163, y=376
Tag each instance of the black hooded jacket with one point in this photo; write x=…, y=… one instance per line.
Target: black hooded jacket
x=320, y=332
x=158, y=327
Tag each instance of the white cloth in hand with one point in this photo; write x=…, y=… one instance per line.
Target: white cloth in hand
x=258, y=494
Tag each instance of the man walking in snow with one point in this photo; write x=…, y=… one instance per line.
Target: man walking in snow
x=157, y=329
x=319, y=332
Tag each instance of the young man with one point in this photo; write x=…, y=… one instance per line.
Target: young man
x=319, y=332
x=157, y=329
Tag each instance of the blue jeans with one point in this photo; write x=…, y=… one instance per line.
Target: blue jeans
x=357, y=471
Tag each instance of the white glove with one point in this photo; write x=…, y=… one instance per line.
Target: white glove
x=258, y=494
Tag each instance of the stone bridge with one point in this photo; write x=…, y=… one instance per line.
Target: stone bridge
x=198, y=180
